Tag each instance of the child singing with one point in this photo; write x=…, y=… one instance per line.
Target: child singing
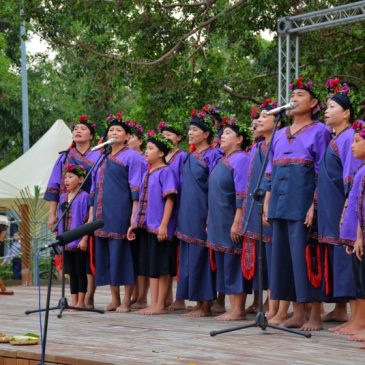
x=75, y=252
x=156, y=222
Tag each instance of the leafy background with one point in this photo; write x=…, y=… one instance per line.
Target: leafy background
x=156, y=60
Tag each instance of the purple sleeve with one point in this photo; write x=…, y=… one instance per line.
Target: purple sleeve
x=350, y=165
x=320, y=144
x=54, y=183
x=136, y=167
x=240, y=176
x=169, y=183
x=214, y=157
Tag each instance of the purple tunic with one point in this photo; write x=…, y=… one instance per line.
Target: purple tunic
x=193, y=210
x=56, y=185
x=155, y=187
x=227, y=187
x=294, y=165
x=76, y=216
x=257, y=156
x=176, y=164
x=336, y=173
x=115, y=185
x=348, y=229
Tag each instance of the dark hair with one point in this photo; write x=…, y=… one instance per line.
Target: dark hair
x=3, y=228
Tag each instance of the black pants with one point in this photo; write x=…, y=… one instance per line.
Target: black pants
x=75, y=266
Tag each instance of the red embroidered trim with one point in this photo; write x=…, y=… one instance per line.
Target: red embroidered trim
x=192, y=240
x=293, y=161
x=255, y=236
x=315, y=278
x=213, y=264
x=91, y=251
x=329, y=240
x=248, y=258
x=235, y=250
x=334, y=147
x=117, y=236
x=327, y=277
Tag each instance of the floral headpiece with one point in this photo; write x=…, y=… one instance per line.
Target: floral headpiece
x=255, y=112
x=343, y=95
x=239, y=127
x=171, y=127
x=335, y=86
x=213, y=111
x=83, y=119
x=359, y=127
x=202, y=120
x=78, y=170
x=164, y=144
x=300, y=83
x=117, y=119
x=269, y=104
x=135, y=128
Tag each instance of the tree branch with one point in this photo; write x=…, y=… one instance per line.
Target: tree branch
x=231, y=92
x=165, y=57
x=182, y=5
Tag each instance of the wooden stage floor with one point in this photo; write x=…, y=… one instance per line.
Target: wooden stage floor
x=113, y=338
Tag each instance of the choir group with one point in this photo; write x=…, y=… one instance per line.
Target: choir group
x=169, y=213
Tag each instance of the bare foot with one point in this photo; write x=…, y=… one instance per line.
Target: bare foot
x=230, y=316
x=294, y=322
x=277, y=319
x=123, y=308
x=312, y=325
x=358, y=336
x=337, y=328
x=143, y=310
x=252, y=309
x=351, y=329
x=217, y=308
x=335, y=317
x=154, y=310
x=178, y=305
x=197, y=313
x=111, y=307
x=269, y=315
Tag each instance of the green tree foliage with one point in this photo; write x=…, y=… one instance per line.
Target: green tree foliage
x=160, y=59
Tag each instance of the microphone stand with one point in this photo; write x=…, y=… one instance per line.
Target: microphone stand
x=258, y=195
x=63, y=303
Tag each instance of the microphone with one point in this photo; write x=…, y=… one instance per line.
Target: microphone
x=101, y=145
x=69, y=236
x=282, y=108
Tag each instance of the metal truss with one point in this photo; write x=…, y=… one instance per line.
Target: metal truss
x=290, y=27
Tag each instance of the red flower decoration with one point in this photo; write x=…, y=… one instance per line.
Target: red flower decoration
x=206, y=108
x=194, y=112
x=224, y=121
x=83, y=118
x=255, y=112
x=119, y=115
x=300, y=81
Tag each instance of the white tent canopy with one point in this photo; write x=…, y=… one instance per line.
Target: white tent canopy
x=34, y=167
